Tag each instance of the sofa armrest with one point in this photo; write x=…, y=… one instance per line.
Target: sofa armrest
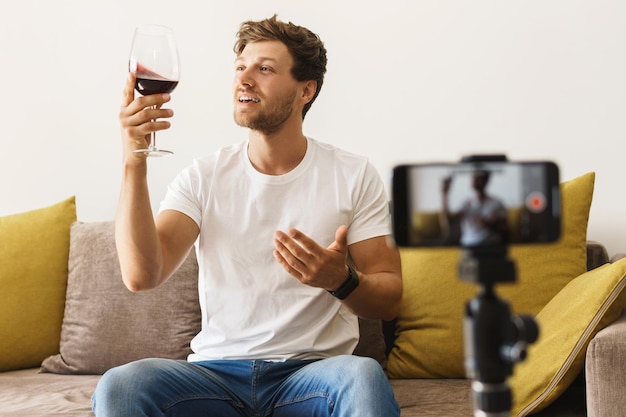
x=604, y=365
x=617, y=257
x=596, y=254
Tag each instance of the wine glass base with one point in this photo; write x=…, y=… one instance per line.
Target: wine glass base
x=154, y=152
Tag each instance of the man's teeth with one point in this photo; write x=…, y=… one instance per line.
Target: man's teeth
x=248, y=99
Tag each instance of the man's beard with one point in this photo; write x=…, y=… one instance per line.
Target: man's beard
x=269, y=119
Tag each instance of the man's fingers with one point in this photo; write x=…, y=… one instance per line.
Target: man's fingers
x=145, y=116
x=152, y=101
x=341, y=239
x=145, y=129
x=132, y=106
x=129, y=90
x=287, y=265
x=288, y=247
x=303, y=241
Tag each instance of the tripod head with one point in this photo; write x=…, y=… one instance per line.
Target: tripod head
x=495, y=339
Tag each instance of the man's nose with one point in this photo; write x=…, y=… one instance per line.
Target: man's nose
x=244, y=78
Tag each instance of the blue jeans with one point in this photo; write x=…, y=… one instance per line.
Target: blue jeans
x=343, y=386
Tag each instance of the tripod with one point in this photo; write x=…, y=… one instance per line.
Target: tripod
x=494, y=338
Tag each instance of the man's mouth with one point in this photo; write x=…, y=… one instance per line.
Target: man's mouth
x=248, y=99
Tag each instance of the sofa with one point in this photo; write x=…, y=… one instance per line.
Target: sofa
x=65, y=318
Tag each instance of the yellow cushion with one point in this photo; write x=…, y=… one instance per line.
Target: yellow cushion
x=429, y=341
x=567, y=324
x=34, y=249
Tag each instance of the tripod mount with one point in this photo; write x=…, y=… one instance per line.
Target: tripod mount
x=494, y=338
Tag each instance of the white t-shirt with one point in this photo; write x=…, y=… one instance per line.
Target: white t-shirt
x=473, y=231
x=251, y=307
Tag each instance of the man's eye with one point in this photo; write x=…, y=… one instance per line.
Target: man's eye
x=265, y=68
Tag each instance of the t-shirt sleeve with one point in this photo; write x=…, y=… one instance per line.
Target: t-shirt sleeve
x=183, y=195
x=371, y=214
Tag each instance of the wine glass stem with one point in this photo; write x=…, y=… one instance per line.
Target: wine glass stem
x=153, y=136
x=152, y=141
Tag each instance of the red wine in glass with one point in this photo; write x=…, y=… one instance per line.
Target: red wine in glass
x=146, y=86
x=149, y=82
x=154, y=61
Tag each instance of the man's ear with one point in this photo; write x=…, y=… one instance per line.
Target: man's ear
x=308, y=90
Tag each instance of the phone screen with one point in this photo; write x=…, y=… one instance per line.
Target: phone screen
x=476, y=203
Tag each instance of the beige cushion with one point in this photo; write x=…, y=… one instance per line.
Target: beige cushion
x=105, y=324
x=567, y=324
x=429, y=341
x=34, y=248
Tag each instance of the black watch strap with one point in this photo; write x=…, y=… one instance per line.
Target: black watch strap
x=348, y=285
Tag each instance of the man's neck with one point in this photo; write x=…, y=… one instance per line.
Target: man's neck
x=276, y=153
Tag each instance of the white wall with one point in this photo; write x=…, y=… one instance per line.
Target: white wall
x=408, y=81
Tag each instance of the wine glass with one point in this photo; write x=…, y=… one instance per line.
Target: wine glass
x=154, y=61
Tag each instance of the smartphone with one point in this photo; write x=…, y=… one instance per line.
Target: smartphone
x=471, y=204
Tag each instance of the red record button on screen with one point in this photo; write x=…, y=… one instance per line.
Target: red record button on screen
x=536, y=202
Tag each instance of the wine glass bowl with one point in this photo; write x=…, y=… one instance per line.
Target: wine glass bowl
x=155, y=63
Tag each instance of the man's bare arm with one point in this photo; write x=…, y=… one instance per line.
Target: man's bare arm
x=149, y=252
x=379, y=293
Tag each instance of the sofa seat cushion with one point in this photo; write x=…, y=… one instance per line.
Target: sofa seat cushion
x=452, y=397
x=29, y=393
x=433, y=397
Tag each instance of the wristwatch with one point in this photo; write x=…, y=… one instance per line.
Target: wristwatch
x=348, y=285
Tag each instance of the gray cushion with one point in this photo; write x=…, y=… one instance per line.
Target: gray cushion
x=106, y=325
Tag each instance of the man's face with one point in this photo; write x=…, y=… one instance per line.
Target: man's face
x=479, y=181
x=265, y=91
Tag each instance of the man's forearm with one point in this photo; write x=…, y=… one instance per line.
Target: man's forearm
x=378, y=296
x=136, y=238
